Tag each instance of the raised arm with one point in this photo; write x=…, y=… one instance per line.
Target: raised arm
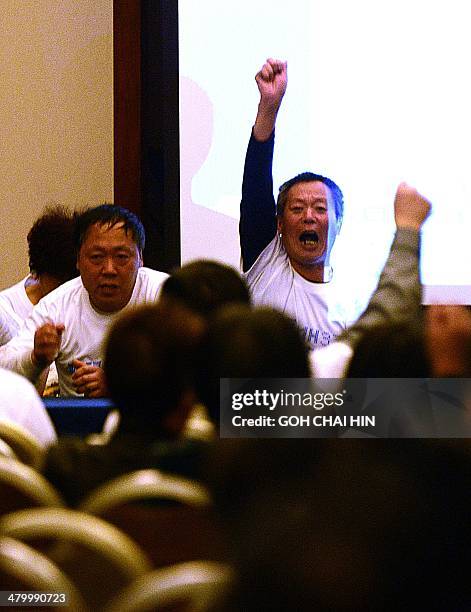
x=257, y=210
x=399, y=291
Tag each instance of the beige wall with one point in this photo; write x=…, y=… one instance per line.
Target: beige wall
x=56, y=114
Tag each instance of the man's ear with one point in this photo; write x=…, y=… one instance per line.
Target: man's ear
x=279, y=225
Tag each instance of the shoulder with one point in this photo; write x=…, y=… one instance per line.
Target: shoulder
x=62, y=298
x=149, y=281
x=152, y=275
x=15, y=386
x=15, y=289
x=273, y=256
x=270, y=279
x=64, y=292
x=14, y=303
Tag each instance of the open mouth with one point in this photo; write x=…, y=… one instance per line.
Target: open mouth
x=309, y=238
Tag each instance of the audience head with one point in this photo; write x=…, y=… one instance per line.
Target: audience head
x=245, y=343
x=394, y=350
x=51, y=246
x=110, y=240
x=319, y=525
x=204, y=286
x=149, y=368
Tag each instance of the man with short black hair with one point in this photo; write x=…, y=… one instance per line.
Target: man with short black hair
x=286, y=256
x=69, y=324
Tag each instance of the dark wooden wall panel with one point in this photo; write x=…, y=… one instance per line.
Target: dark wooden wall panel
x=147, y=171
x=127, y=103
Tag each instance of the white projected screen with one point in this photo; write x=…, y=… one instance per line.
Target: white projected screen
x=378, y=93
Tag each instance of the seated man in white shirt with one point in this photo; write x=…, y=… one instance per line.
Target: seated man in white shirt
x=69, y=324
x=20, y=404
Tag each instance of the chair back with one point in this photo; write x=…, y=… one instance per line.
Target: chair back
x=6, y=450
x=95, y=555
x=194, y=586
x=168, y=516
x=22, y=487
x=24, y=569
x=25, y=446
x=146, y=484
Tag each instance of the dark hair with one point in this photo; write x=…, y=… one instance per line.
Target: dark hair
x=308, y=177
x=245, y=343
x=149, y=363
x=344, y=531
x=206, y=285
x=393, y=350
x=51, y=245
x=110, y=215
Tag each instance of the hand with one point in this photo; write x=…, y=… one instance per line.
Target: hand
x=271, y=80
x=411, y=209
x=47, y=341
x=89, y=379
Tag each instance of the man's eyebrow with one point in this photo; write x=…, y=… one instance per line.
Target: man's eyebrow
x=123, y=247
x=303, y=200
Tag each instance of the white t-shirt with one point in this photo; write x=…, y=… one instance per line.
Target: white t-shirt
x=20, y=404
x=15, y=307
x=84, y=332
x=320, y=309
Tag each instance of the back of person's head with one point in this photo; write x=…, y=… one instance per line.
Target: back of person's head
x=204, y=286
x=109, y=215
x=248, y=343
x=319, y=525
x=149, y=368
x=392, y=350
x=51, y=245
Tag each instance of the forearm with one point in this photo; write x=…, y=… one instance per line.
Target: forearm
x=265, y=121
x=257, y=209
x=19, y=359
x=398, y=294
x=17, y=354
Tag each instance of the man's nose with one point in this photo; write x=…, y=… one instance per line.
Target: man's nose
x=309, y=215
x=108, y=266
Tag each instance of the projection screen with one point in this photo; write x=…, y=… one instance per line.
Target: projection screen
x=377, y=93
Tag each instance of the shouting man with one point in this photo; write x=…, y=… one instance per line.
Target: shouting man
x=286, y=248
